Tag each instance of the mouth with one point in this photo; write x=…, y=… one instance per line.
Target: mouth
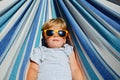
x=55, y=40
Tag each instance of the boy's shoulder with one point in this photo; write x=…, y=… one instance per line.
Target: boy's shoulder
x=68, y=49
x=67, y=45
x=40, y=48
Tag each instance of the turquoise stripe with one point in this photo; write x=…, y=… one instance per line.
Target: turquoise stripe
x=7, y=6
x=95, y=64
x=53, y=9
x=37, y=42
x=5, y=42
x=31, y=41
x=46, y=10
x=5, y=17
x=114, y=41
x=15, y=69
x=91, y=52
x=92, y=75
x=105, y=21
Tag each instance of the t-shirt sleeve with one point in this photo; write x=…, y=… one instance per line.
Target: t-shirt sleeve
x=68, y=49
x=36, y=55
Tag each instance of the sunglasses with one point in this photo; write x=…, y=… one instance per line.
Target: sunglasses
x=61, y=33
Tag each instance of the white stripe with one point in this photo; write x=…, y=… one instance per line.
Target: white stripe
x=13, y=20
x=110, y=5
x=85, y=25
x=5, y=4
x=95, y=36
x=49, y=10
x=17, y=43
x=44, y=16
x=38, y=25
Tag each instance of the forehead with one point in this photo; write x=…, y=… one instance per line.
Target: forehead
x=55, y=28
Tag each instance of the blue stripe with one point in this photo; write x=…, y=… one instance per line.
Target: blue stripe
x=96, y=15
x=104, y=17
x=56, y=8
x=87, y=46
x=46, y=10
x=37, y=42
x=15, y=69
x=6, y=40
x=110, y=13
x=31, y=40
x=114, y=41
x=8, y=15
x=86, y=64
x=53, y=9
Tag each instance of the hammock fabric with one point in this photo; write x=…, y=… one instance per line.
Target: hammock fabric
x=94, y=28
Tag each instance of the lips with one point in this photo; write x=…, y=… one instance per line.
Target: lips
x=55, y=40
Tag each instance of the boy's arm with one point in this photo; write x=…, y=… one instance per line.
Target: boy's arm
x=76, y=72
x=32, y=71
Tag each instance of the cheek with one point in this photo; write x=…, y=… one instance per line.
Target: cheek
x=64, y=40
x=48, y=40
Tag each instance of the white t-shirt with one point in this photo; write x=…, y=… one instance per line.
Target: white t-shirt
x=53, y=62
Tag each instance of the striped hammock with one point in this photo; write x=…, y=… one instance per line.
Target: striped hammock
x=94, y=26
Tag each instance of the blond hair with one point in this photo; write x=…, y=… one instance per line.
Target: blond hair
x=57, y=22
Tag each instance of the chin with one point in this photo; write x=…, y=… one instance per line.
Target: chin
x=55, y=46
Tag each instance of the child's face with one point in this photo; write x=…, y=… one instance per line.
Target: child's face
x=55, y=41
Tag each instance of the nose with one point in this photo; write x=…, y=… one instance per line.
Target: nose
x=55, y=34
